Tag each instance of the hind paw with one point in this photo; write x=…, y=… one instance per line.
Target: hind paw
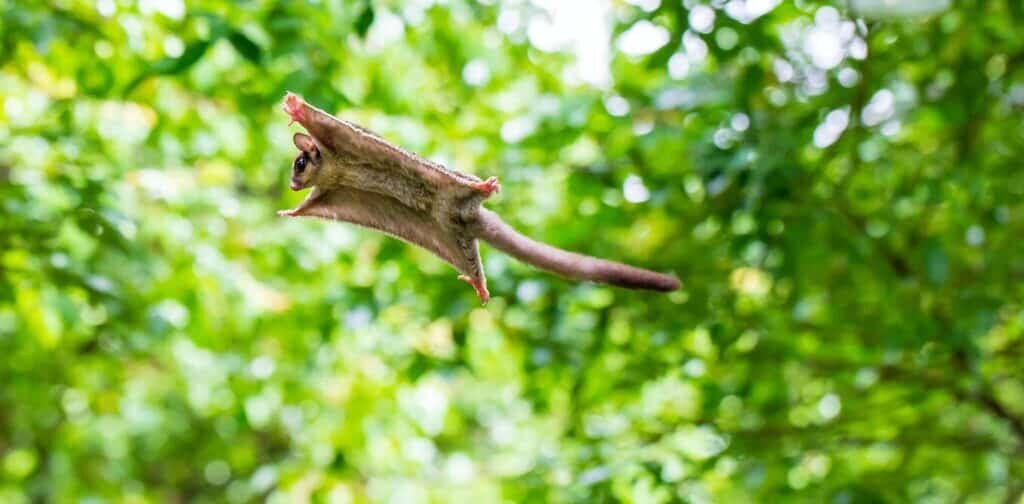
x=479, y=286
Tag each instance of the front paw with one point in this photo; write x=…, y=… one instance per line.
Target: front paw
x=488, y=187
x=294, y=212
x=294, y=107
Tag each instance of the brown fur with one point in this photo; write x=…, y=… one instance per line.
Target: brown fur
x=361, y=178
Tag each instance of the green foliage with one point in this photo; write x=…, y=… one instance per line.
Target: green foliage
x=840, y=196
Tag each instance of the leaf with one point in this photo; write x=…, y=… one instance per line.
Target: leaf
x=365, y=20
x=246, y=47
x=171, y=66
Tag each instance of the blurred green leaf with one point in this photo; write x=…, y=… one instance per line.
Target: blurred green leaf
x=171, y=66
x=246, y=47
x=365, y=19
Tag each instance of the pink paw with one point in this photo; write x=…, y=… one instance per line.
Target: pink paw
x=488, y=186
x=480, y=287
x=294, y=107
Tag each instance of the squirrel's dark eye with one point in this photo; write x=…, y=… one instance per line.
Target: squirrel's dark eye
x=300, y=164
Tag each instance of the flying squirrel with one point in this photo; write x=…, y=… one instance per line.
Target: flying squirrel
x=360, y=178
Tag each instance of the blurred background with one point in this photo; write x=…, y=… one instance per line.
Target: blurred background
x=837, y=184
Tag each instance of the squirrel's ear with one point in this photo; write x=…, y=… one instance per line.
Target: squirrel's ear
x=304, y=142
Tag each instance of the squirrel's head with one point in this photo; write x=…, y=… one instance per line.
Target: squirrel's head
x=307, y=164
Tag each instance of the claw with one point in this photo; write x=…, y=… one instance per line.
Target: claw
x=488, y=186
x=288, y=213
x=293, y=106
x=480, y=287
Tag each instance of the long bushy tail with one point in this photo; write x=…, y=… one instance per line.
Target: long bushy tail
x=493, y=230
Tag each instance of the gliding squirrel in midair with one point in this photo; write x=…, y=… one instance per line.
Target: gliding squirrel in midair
x=359, y=177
